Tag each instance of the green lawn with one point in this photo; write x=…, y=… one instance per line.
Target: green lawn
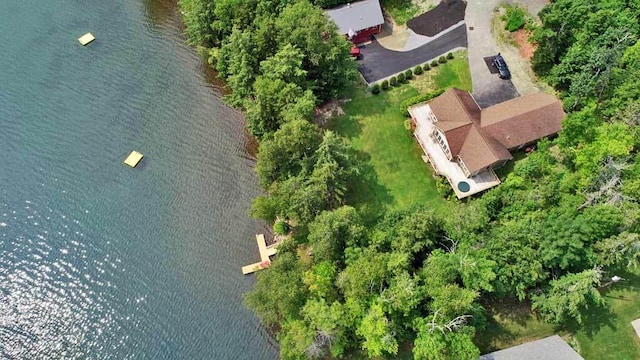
x=510, y=323
x=401, y=10
x=455, y=73
x=606, y=333
x=395, y=176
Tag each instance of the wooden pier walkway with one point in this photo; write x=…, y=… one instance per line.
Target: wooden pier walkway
x=265, y=253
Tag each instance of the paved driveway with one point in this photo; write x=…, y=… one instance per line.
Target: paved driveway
x=378, y=63
x=488, y=89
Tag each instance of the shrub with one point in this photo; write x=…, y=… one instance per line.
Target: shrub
x=408, y=124
x=408, y=74
x=393, y=81
x=442, y=60
x=426, y=67
x=281, y=228
x=417, y=70
x=385, y=85
x=443, y=187
x=375, y=89
x=515, y=18
x=434, y=63
x=404, y=106
x=401, y=78
x=450, y=56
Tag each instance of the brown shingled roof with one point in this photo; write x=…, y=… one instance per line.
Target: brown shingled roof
x=522, y=120
x=455, y=105
x=483, y=137
x=477, y=153
x=456, y=137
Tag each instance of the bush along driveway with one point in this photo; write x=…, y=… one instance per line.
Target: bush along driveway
x=377, y=62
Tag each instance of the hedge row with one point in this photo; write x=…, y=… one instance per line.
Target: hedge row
x=404, y=106
x=407, y=75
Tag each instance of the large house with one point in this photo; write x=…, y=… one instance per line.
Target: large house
x=358, y=20
x=465, y=143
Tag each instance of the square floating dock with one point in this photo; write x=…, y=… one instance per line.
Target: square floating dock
x=86, y=39
x=133, y=159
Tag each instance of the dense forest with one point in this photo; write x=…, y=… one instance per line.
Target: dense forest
x=561, y=222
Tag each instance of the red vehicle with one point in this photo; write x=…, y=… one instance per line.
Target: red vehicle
x=355, y=52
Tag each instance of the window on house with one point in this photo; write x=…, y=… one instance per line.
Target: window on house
x=442, y=142
x=463, y=166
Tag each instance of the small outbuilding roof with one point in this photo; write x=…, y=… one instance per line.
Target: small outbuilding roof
x=552, y=347
x=356, y=16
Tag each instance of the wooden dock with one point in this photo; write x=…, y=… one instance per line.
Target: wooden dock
x=265, y=252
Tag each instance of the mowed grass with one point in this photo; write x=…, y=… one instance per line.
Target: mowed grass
x=454, y=73
x=510, y=323
x=394, y=176
x=606, y=333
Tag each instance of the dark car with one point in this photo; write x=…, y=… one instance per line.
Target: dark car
x=501, y=65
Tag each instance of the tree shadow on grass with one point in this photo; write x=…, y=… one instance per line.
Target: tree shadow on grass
x=346, y=126
x=496, y=334
x=593, y=320
x=367, y=194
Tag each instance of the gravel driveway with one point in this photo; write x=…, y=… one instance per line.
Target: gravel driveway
x=488, y=89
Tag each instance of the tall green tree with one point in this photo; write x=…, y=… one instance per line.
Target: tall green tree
x=332, y=231
x=279, y=293
x=569, y=296
x=366, y=277
x=320, y=280
x=238, y=64
x=404, y=294
x=377, y=331
x=449, y=341
x=330, y=325
x=560, y=20
x=518, y=265
x=198, y=15
x=327, y=57
x=287, y=152
x=232, y=15
x=335, y=166
x=295, y=338
x=621, y=249
x=274, y=102
x=280, y=94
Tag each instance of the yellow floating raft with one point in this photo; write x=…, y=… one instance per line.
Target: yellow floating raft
x=133, y=159
x=86, y=38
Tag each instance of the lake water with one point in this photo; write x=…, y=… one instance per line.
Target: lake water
x=98, y=260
